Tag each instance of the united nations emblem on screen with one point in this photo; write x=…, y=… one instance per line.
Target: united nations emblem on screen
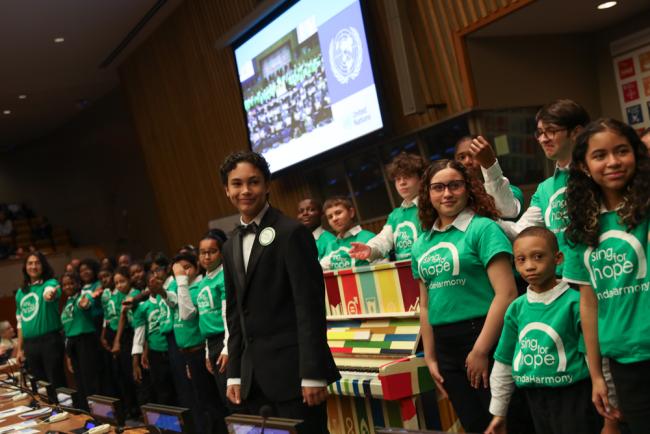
x=346, y=55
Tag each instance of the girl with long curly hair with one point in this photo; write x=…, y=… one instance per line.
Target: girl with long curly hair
x=607, y=203
x=463, y=263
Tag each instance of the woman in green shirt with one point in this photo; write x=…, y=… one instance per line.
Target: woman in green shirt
x=40, y=343
x=463, y=262
x=608, y=205
x=81, y=341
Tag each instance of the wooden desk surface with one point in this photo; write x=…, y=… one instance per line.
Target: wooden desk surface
x=74, y=421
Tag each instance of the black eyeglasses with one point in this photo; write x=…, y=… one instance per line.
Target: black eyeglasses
x=453, y=186
x=548, y=132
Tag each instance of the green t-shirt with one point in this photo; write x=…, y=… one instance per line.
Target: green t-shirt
x=207, y=296
x=167, y=311
x=75, y=319
x=337, y=253
x=453, y=266
x=148, y=314
x=105, y=299
x=187, y=332
x=38, y=316
x=115, y=308
x=519, y=197
x=406, y=229
x=617, y=270
x=543, y=342
x=96, y=305
x=323, y=240
x=550, y=198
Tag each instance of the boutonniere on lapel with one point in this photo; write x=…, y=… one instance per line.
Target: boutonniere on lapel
x=267, y=236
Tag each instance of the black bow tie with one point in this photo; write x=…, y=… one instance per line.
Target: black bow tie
x=248, y=229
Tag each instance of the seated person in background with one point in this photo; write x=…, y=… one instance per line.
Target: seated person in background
x=341, y=217
x=310, y=214
x=7, y=341
x=7, y=235
x=402, y=227
x=476, y=154
x=541, y=349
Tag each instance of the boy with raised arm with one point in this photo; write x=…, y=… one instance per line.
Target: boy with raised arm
x=558, y=125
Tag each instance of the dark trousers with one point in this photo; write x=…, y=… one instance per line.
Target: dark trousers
x=83, y=351
x=632, y=381
x=182, y=385
x=314, y=418
x=215, y=346
x=44, y=355
x=122, y=367
x=107, y=384
x=209, y=407
x=453, y=343
x=161, y=377
x=563, y=410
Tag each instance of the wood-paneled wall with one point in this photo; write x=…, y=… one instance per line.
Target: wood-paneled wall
x=184, y=97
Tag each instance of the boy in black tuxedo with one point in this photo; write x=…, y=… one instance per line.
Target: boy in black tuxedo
x=275, y=297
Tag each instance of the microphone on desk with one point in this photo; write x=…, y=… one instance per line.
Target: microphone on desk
x=265, y=412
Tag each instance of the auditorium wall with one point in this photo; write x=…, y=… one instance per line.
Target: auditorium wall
x=89, y=177
x=536, y=68
x=183, y=93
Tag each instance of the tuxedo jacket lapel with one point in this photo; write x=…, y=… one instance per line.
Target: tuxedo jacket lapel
x=238, y=258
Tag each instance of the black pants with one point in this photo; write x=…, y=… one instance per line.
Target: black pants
x=453, y=343
x=209, y=407
x=215, y=346
x=122, y=367
x=44, y=355
x=314, y=418
x=83, y=351
x=182, y=385
x=107, y=384
x=564, y=410
x=632, y=381
x=161, y=377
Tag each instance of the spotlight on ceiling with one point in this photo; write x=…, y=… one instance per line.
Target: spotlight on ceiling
x=6, y=112
x=607, y=5
x=23, y=96
x=58, y=40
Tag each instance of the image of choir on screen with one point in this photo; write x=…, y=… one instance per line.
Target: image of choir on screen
x=290, y=101
x=533, y=312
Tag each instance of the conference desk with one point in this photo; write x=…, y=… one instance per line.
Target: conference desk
x=73, y=422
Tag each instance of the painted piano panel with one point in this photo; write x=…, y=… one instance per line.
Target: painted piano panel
x=374, y=336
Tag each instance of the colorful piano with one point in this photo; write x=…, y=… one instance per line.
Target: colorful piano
x=374, y=334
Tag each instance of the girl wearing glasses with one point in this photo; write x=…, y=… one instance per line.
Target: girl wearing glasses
x=608, y=205
x=463, y=263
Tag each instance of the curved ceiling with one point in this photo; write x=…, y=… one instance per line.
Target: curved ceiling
x=59, y=79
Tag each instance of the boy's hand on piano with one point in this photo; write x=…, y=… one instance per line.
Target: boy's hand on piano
x=437, y=378
x=314, y=395
x=497, y=426
x=477, y=365
x=359, y=251
x=233, y=392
